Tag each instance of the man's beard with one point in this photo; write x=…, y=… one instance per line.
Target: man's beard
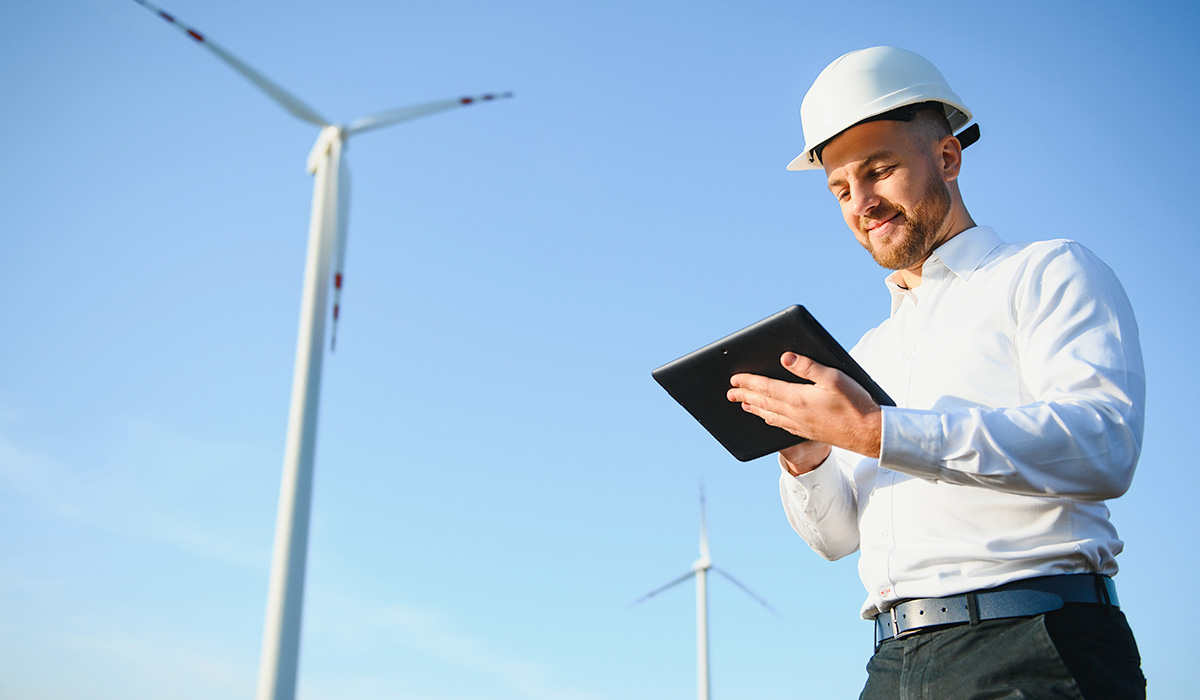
x=922, y=227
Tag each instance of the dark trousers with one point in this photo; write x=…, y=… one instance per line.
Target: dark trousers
x=1080, y=651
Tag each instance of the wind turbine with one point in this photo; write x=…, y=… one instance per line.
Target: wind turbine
x=326, y=250
x=700, y=569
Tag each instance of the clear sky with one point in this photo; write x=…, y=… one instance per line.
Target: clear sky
x=497, y=474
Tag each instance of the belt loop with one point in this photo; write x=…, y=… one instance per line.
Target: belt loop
x=1102, y=594
x=1101, y=589
x=973, y=608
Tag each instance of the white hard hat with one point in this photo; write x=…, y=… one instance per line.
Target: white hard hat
x=864, y=84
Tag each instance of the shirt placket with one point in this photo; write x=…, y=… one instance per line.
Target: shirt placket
x=913, y=313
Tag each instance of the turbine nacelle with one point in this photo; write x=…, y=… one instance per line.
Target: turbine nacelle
x=325, y=142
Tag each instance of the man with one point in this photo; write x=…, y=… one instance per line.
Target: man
x=977, y=504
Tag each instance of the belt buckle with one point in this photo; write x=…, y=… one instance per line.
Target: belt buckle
x=895, y=622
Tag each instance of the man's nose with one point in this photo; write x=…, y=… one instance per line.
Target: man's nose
x=864, y=201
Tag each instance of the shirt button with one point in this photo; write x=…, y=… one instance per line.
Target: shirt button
x=817, y=488
x=885, y=534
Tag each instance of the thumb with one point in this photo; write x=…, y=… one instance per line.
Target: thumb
x=805, y=368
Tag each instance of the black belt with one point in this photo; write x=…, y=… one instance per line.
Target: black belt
x=1018, y=599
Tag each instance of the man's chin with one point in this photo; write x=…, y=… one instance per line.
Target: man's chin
x=890, y=258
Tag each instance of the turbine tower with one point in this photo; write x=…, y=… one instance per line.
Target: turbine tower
x=700, y=569
x=323, y=266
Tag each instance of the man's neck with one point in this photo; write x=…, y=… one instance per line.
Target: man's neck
x=909, y=279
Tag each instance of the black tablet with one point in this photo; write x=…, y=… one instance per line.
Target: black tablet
x=699, y=380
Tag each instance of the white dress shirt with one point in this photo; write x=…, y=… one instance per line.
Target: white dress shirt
x=1018, y=379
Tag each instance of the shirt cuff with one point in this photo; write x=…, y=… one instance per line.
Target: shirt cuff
x=824, y=478
x=911, y=441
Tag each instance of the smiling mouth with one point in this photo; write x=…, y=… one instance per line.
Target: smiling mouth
x=877, y=223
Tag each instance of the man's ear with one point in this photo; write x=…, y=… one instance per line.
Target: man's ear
x=949, y=155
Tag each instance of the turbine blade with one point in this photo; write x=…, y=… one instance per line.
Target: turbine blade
x=339, y=246
x=393, y=116
x=704, y=553
x=329, y=197
x=660, y=589
x=748, y=592
x=285, y=99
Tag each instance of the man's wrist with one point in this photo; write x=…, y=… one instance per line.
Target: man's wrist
x=803, y=458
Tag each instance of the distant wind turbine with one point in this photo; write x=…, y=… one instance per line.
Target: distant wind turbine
x=326, y=249
x=700, y=570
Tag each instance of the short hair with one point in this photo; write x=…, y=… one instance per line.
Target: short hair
x=929, y=116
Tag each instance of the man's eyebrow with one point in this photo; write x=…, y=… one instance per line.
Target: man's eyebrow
x=863, y=165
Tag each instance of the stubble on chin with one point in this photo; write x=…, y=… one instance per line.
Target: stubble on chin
x=922, y=228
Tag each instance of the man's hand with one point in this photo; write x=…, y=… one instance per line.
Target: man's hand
x=834, y=409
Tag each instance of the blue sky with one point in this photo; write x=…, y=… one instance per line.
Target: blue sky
x=497, y=474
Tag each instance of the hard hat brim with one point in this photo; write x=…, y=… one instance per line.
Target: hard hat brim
x=959, y=119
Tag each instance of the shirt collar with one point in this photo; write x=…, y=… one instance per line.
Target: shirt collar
x=961, y=255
